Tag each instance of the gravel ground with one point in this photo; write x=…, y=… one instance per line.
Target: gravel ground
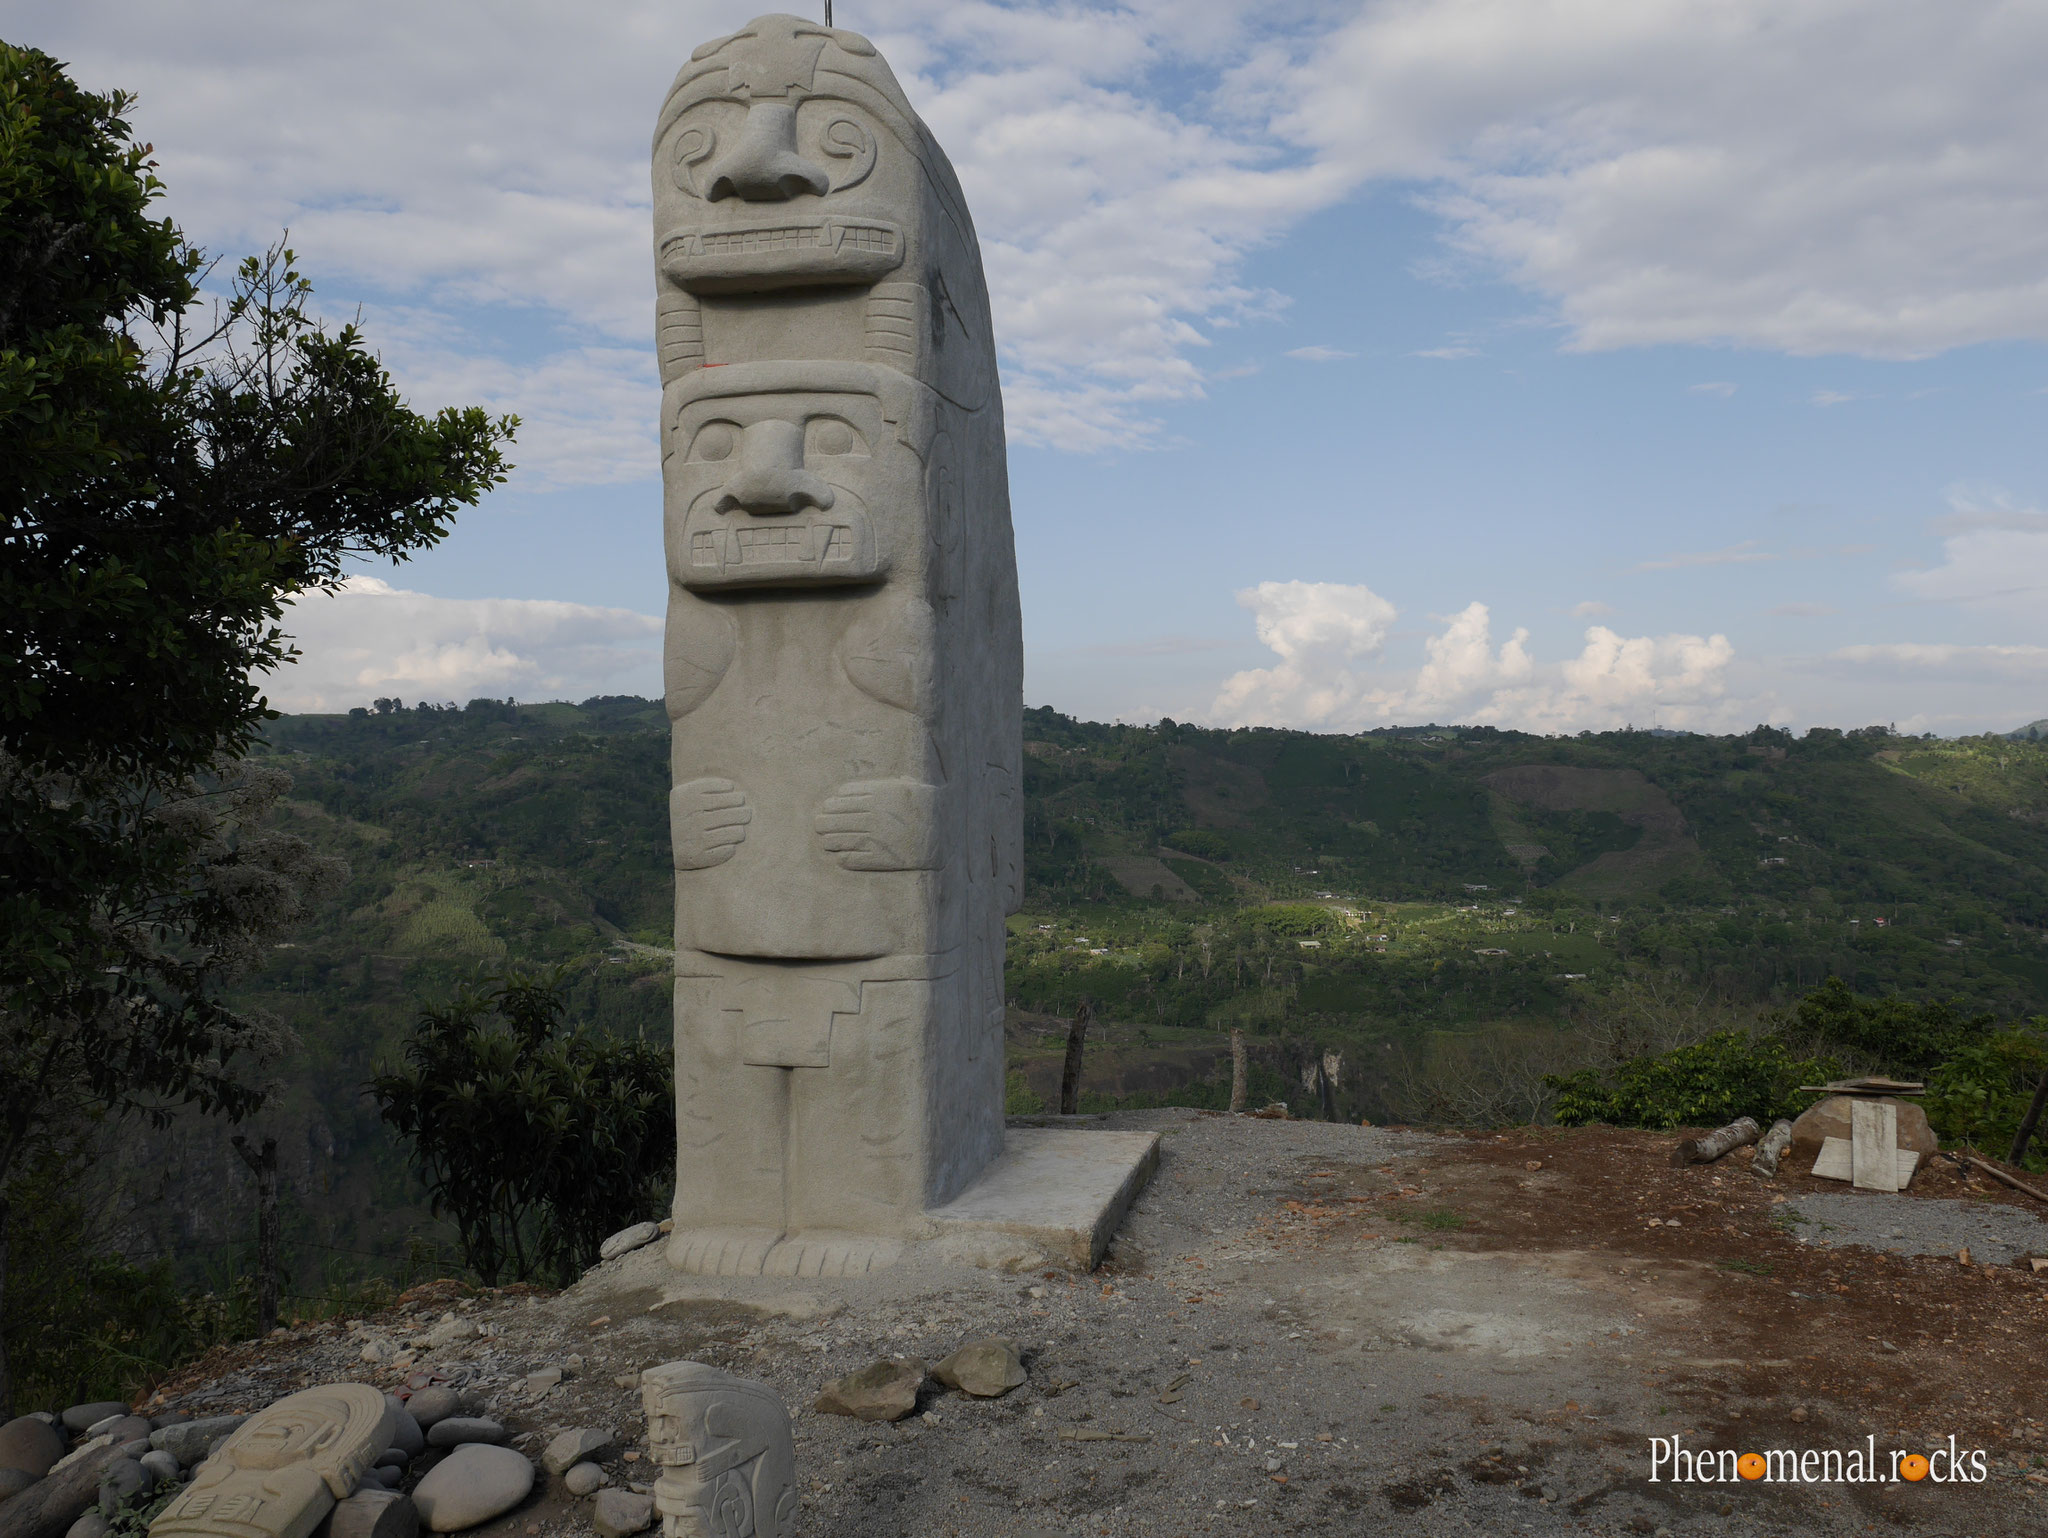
x=1996, y=1234
x=1308, y=1328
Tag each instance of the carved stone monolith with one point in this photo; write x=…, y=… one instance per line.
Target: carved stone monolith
x=843, y=659
x=726, y=1459
x=285, y=1468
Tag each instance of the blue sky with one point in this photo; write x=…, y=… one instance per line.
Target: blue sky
x=1555, y=363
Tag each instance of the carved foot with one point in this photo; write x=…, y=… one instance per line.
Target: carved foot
x=822, y=1252
x=721, y=1251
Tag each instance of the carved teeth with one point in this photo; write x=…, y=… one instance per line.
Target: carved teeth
x=786, y=254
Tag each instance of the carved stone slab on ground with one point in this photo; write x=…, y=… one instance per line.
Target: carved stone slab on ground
x=283, y=1470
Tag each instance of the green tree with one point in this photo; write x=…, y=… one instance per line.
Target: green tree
x=538, y=1138
x=171, y=474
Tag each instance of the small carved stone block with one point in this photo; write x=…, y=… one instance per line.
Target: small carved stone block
x=722, y=1444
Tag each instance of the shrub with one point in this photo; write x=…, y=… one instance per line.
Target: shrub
x=538, y=1139
x=1200, y=843
x=1711, y=1082
x=1980, y=1093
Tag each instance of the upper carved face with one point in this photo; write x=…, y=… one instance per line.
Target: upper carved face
x=786, y=156
x=786, y=489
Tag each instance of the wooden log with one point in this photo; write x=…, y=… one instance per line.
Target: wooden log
x=47, y=1508
x=1772, y=1149
x=1998, y=1174
x=1239, y=1072
x=1705, y=1150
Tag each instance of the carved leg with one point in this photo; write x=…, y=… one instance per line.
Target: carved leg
x=731, y=1118
x=856, y=1158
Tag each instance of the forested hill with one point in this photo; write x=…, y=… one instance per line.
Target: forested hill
x=1360, y=892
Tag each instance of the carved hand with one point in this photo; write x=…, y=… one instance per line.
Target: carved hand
x=882, y=825
x=707, y=821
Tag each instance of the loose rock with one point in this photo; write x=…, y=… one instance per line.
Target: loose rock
x=984, y=1368
x=52, y=1504
x=584, y=1478
x=159, y=1465
x=431, y=1405
x=91, y=1525
x=385, y=1475
x=473, y=1484
x=124, y=1477
x=459, y=1430
x=190, y=1442
x=621, y=1513
x=122, y=1428
x=883, y=1391
x=371, y=1514
x=577, y=1446
x=14, y=1481
x=627, y=1240
x=30, y=1445
x=406, y=1434
x=80, y=1416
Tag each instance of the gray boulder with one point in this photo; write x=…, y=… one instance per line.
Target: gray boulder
x=14, y=1481
x=473, y=1484
x=122, y=1428
x=627, y=1240
x=385, y=1475
x=190, y=1442
x=584, y=1478
x=433, y=1404
x=159, y=1465
x=984, y=1368
x=29, y=1444
x=583, y=1444
x=91, y=1525
x=621, y=1513
x=80, y=1416
x=459, y=1430
x=883, y=1391
x=371, y=1513
x=407, y=1436
x=124, y=1478
x=47, y=1508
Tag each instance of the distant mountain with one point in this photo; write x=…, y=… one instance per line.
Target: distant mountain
x=1360, y=889
x=2036, y=731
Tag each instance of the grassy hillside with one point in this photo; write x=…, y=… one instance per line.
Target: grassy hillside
x=1377, y=895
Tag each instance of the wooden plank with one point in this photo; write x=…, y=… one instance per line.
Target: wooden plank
x=1874, y=1145
x=1834, y=1162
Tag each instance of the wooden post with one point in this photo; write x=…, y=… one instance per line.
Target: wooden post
x=264, y=1165
x=1238, y=1088
x=2021, y=1138
x=1070, y=1074
x=1332, y=1062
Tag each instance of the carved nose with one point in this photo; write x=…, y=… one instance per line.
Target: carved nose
x=771, y=477
x=763, y=166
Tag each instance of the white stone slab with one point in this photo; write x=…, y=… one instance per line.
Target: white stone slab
x=1834, y=1162
x=1064, y=1191
x=1874, y=1145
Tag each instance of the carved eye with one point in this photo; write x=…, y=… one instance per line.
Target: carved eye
x=827, y=436
x=715, y=440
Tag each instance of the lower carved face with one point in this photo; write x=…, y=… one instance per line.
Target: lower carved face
x=784, y=490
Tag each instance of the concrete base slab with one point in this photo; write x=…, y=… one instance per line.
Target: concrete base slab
x=1064, y=1192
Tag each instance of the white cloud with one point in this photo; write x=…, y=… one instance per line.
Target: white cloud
x=1720, y=387
x=1744, y=554
x=1326, y=635
x=1829, y=176
x=1822, y=177
x=1803, y=610
x=1995, y=664
x=1826, y=398
x=1448, y=353
x=1319, y=354
x=1592, y=608
x=371, y=639
x=1995, y=557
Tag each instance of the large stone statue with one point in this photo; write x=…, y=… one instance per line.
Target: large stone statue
x=285, y=1467
x=843, y=660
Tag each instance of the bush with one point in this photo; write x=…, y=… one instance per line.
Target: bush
x=1295, y=920
x=1980, y=1093
x=1707, y=1084
x=1903, y=1036
x=540, y=1140
x=1200, y=843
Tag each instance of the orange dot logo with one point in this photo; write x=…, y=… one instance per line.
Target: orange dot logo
x=1913, y=1466
x=1750, y=1465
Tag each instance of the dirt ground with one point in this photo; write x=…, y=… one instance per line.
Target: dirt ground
x=1309, y=1327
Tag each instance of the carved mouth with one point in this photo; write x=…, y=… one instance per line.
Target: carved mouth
x=786, y=254
x=819, y=550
